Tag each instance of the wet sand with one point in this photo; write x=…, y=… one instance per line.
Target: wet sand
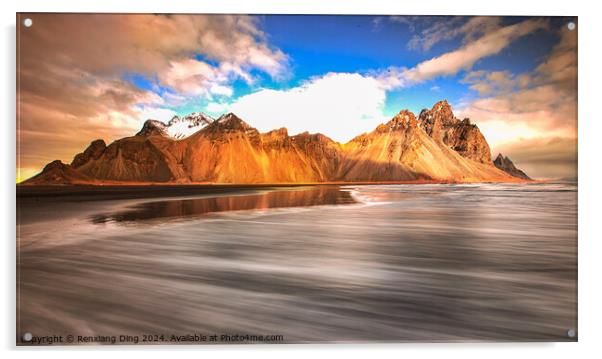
x=355, y=263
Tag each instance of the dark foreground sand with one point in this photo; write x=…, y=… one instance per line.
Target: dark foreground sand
x=430, y=262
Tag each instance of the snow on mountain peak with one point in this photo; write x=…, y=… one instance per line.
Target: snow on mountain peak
x=178, y=127
x=182, y=127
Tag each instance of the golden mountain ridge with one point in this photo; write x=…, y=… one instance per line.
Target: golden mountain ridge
x=435, y=147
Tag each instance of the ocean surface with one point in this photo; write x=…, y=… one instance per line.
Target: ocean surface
x=474, y=262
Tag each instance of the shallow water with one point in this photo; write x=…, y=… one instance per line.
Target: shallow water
x=316, y=264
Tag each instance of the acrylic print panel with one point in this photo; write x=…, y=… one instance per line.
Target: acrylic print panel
x=202, y=179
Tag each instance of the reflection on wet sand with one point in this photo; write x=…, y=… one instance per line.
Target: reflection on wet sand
x=182, y=208
x=409, y=263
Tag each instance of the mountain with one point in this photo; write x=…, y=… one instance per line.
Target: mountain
x=178, y=127
x=58, y=173
x=436, y=146
x=93, y=152
x=402, y=150
x=461, y=136
x=231, y=151
x=506, y=165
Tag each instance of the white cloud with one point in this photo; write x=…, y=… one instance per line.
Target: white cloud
x=339, y=105
x=215, y=108
x=237, y=44
x=161, y=114
x=190, y=76
x=342, y=105
x=221, y=90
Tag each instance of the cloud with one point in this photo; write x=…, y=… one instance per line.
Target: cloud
x=447, y=28
x=486, y=83
x=71, y=69
x=71, y=87
x=161, y=114
x=545, y=108
x=407, y=20
x=144, y=43
x=560, y=68
x=238, y=48
x=544, y=99
x=191, y=77
x=216, y=108
x=339, y=105
x=463, y=58
x=539, y=108
x=545, y=157
x=377, y=23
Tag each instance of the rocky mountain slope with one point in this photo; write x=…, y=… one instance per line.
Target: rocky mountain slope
x=58, y=173
x=402, y=150
x=436, y=146
x=461, y=136
x=506, y=165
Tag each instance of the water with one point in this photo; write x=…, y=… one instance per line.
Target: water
x=312, y=264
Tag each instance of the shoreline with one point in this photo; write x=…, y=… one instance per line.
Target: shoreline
x=146, y=190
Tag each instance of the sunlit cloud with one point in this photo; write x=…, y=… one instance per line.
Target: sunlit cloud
x=339, y=105
x=464, y=58
x=155, y=113
x=538, y=108
x=195, y=63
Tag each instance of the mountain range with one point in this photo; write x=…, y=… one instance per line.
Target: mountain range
x=196, y=148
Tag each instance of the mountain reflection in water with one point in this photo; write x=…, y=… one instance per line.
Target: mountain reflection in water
x=183, y=208
x=357, y=263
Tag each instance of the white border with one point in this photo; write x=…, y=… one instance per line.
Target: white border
x=590, y=80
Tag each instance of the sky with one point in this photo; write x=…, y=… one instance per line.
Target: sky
x=87, y=76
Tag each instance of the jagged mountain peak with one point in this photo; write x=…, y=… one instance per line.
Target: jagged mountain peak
x=230, y=121
x=440, y=114
x=505, y=164
x=504, y=161
x=228, y=150
x=192, y=119
x=58, y=173
x=178, y=127
x=228, y=117
x=442, y=106
x=281, y=132
x=443, y=126
x=309, y=137
x=93, y=152
x=403, y=119
x=182, y=127
x=153, y=128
